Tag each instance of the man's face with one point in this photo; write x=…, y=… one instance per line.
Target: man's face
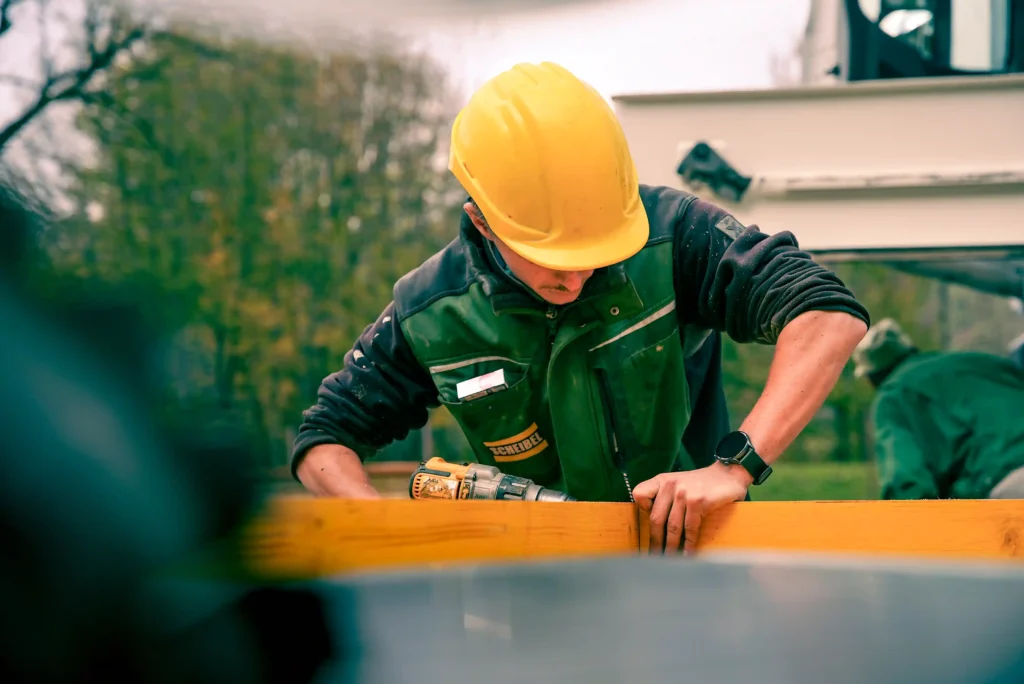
x=554, y=287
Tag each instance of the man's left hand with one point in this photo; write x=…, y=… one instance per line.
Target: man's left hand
x=678, y=502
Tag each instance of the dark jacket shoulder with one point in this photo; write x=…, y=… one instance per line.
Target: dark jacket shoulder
x=665, y=208
x=444, y=274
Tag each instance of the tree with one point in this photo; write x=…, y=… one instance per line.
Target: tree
x=279, y=194
x=72, y=71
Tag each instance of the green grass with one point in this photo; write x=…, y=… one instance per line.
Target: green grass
x=809, y=481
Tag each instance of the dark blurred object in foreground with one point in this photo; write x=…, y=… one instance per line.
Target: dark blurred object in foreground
x=107, y=490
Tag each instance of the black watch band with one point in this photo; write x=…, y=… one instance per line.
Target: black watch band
x=736, y=449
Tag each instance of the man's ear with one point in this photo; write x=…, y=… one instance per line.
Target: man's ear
x=478, y=220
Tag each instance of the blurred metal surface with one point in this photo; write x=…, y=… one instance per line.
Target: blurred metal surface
x=1003, y=278
x=742, y=619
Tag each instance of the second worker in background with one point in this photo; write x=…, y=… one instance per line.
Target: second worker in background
x=947, y=425
x=572, y=328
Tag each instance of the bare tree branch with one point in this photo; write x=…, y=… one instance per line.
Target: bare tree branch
x=5, y=14
x=71, y=85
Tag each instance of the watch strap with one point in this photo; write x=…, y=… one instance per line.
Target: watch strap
x=755, y=465
x=749, y=459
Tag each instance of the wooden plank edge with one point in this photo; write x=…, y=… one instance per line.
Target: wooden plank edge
x=948, y=529
x=300, y=537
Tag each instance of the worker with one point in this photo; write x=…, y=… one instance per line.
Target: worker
x=557, y=326
x=1016, y=349
x=947, y=424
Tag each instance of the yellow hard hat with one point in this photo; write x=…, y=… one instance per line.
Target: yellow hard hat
x=545, y=159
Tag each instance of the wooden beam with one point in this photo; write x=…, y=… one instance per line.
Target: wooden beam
x=949, y=529
x=301, y=537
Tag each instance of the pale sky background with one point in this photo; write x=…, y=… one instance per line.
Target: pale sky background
x=617, y=45
x=631, y=45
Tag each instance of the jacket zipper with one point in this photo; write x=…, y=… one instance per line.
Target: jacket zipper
x=609, y=420
x=613, y=439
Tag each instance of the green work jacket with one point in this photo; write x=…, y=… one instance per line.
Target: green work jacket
x=595, y=398
x=948, y=425
x=596, y=393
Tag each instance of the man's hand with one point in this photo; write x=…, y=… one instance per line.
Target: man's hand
x=678, y=502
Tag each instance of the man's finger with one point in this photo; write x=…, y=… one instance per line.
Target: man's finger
x=674, y=526
x=644, y=493
x=659, y=516
x=694, y=517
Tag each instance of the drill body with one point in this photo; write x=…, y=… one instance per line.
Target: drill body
x=438, y=479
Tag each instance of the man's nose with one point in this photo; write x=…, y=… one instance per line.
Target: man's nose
x=574, y=279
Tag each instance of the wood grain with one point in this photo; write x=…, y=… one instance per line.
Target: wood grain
x=952, y=529
x=300, y=537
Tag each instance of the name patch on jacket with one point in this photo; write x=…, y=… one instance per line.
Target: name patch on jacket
x=519, y=447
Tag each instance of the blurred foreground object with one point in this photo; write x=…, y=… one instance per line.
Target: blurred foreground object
x=104, y=492
x=752, y=618
x=947, y=424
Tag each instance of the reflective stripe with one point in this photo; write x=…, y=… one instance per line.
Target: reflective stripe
x=660, y=313
x=470, y=362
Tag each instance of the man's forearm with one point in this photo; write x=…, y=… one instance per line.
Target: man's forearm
x=335, y=470
x=809, y=357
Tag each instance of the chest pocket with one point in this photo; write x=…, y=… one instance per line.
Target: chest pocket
x=642, y=371
x=508, y=428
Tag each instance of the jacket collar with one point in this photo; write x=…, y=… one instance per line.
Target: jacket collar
x=608, y=294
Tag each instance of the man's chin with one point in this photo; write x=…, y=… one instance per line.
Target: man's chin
x=559, y=297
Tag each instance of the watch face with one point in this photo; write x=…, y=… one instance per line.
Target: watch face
x=732, y=444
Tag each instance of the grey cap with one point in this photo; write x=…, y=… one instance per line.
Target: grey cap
x=883, y=347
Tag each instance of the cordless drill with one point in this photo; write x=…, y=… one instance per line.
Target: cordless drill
x=438, y=479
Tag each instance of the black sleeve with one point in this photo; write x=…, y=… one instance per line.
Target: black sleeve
x=379, y=395
x=745, y=283
x=709, y=422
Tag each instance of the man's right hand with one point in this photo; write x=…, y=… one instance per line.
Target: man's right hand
x=334, y=470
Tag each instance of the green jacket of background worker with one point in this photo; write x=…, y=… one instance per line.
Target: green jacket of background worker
x=579, y=295
x=946, y=425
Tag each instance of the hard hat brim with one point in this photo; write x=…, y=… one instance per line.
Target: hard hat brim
x=615, y=248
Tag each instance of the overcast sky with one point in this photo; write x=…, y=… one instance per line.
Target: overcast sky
x=617, y=45
x=631, y=45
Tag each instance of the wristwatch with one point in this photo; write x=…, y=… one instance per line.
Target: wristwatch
x=736, y=449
